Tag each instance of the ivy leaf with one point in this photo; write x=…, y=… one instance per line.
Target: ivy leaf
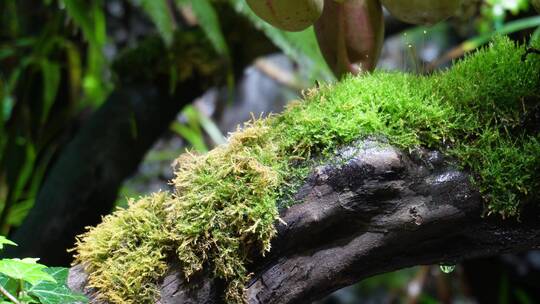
x=60, y=274
x=28, y=299
x=9, y=284
x=5, y=241
x=51, y=293
x=26, y=269
x=58, y=292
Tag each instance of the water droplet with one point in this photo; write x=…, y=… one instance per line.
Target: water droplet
x=410, y=45
x=447, y=268
x=425, y=32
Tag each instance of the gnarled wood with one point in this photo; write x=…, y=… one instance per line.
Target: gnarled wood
x=377, y=209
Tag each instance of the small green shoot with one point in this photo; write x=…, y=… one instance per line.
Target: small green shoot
x=25, y=281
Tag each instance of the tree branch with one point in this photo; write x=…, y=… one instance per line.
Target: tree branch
x=380, y=210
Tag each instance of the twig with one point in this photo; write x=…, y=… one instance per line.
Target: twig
x=8, y=295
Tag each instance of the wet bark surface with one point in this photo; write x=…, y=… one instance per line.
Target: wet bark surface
x=374, y=210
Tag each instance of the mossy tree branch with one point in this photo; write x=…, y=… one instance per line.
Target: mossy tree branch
x=366, y=207
x=381, y=210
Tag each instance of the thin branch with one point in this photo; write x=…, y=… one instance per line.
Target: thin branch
x=8, y=295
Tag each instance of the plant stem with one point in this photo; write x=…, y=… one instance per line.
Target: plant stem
x=8, y=295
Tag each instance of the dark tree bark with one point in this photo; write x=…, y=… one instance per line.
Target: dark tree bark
x=382, y=210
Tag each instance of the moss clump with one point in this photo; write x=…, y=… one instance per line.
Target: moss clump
x=126, y=253
x=224, y=207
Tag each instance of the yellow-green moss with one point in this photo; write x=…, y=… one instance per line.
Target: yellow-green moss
x=126, y=253
x=224, y=206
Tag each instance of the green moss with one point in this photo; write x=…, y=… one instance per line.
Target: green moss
x=126, y=253
x=224, y=207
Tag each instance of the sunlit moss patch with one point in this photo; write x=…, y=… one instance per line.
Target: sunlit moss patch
x=224, y=207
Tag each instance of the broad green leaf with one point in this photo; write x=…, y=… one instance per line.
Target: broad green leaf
x=60, y=274
x=159, y=13
x=5, y=241
x=51, y=293
x=56, y=293
x=29, y=260
x=9, y=284
x=26, y=269
x=301, y=47
x=28, y=299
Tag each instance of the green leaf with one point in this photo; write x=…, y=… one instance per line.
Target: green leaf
x=6, y=51
x=60, y=274
x=9, y=284
x=5, y=241
x=19, y=211
x=26, y=269
x=6, y=107
x=23, y=174
x=74, y=69
x=212, y=129
x=51, y=81
x=208, y=20
x=190, y=132
x=159, y=13
x=50, y=293
x=56, y=293
x=28, y=299
x=89, y=17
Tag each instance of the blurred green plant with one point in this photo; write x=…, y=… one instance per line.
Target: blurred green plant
x=44, y=82
x=495, y=13
x=195, y=127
